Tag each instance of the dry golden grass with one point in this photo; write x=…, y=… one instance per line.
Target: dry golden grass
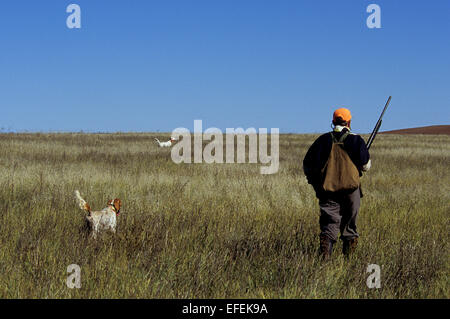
x=215, y=230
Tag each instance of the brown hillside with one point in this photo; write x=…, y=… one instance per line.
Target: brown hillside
x=434, y=129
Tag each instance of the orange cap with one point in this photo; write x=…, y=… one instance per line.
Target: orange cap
x=343, y=113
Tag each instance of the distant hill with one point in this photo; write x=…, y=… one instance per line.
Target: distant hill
x=434, y=129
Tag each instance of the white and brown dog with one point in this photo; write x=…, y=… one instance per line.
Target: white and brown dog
x=104, y=219
x=165, y=144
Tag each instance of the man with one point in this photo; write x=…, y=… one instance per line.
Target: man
x=333, y=165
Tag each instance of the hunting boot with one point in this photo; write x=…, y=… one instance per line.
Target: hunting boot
x=349, y=246
x=326, y=247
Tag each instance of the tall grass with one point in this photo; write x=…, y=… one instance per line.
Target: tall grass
x=215, y=230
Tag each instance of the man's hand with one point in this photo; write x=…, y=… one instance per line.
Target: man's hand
x=367, y=166
x=318, y=189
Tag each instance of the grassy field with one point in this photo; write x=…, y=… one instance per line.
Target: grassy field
x=215, y=230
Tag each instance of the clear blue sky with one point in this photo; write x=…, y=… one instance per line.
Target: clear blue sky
x=148, y=65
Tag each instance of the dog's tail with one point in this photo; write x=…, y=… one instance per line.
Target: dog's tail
x=159, y=143
x=82, y=203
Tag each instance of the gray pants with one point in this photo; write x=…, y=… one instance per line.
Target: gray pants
x=338, y=213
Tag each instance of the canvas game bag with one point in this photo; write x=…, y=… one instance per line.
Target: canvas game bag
x=339, y=172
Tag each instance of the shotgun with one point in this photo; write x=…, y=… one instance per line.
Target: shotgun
x=377, y=126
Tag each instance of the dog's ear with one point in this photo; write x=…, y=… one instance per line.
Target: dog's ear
x=117, y=204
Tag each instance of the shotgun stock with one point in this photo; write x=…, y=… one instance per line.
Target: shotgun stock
x=378, y=125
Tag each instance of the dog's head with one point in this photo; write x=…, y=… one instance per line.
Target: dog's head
x=116, y=204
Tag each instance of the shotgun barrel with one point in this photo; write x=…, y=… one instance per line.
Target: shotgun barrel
x=378, y=125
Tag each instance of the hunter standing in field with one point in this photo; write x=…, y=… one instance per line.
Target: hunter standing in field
x=333, y=165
